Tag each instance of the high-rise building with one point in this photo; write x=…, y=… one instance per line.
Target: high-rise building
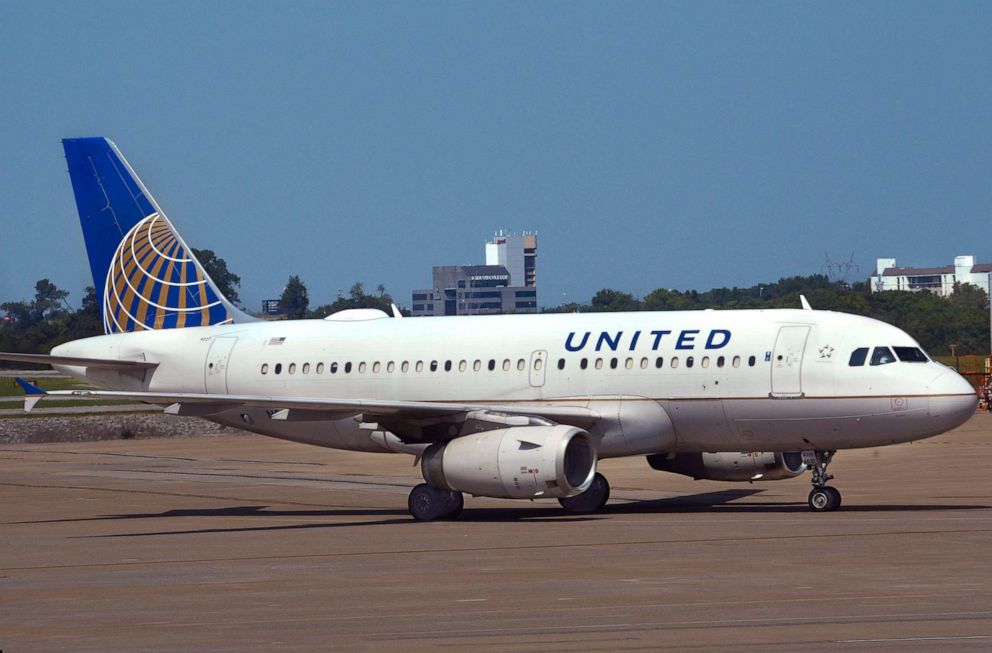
x=506, y=284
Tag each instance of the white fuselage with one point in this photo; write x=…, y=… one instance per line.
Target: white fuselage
x=749, y=380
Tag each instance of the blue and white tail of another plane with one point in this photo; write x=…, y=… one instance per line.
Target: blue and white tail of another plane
x=148, y=276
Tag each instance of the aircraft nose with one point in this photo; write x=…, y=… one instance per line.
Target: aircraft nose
x=952, y=400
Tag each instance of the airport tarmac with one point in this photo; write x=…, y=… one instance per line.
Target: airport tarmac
x=236, y=543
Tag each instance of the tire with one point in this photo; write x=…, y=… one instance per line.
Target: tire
x=455, y=504
x=593, y=499
x=824, y=499
x=428, y=503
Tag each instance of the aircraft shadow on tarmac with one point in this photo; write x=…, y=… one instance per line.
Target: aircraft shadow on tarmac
x=723, y=501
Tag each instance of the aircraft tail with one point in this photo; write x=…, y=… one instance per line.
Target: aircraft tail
x=147, y=275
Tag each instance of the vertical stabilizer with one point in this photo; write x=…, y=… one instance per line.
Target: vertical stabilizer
x=148, y=277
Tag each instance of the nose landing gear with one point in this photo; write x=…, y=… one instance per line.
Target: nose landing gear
x=822, y=498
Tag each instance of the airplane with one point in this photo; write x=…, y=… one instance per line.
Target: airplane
x=507, y=406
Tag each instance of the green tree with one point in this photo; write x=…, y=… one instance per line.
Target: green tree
x=227, y=282
x=295, y=299
x=609, y=300
x=357, y=298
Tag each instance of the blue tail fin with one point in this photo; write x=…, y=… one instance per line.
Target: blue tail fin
x=149, y=278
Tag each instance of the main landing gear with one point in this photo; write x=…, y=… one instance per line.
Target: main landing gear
x=594, y=498
x=428, y=503
x=822, y=498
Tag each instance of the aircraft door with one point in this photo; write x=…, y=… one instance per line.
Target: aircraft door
x=538, y=361
x=216, y=366
x=787, y=361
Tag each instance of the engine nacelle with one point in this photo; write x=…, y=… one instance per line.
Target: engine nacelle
x=731, y=466
x=520, y=462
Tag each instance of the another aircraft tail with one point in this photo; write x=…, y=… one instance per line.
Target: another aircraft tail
x=147, y=275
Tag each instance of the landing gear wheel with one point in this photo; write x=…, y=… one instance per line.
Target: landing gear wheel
x=824, y=499
x=594, y=498
x=427, y=503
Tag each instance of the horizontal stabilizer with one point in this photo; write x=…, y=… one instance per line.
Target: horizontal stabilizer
x=102, y=363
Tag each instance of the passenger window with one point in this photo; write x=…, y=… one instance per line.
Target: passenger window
x=320, y=368
x=334, y=368
x=405, y=367
x=613, y=363
x=376, y=366
x=689, y=360
x=492, y=365
x=292, y=368
x=477, y=365
x=278, y=368
x=447, y=366
x=644, y=363
x=675, y=362
x=584, y=363
x=720, y=361
x=361, y=367
x=306, y=368
x=521, y=364
x=538, y=364
x=910, y=354
x=462, y=366
x=420, y=366
x=629, y=363
x=391, y=367
x=882, y=356
x=433, y=366
x=858, y=357
x=265, y=368
x=659, y=362
x=751, y=361
x=705, y=362
x=347, y=367
x=506, y=364
x=561, y=363
x=737, y=361
x=599, y=363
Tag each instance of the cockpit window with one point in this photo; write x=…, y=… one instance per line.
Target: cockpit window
x=858, y=357
x=911, y=354
x=882, y=356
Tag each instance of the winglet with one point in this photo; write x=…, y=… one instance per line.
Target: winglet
x=805, y=303
x=32, y=394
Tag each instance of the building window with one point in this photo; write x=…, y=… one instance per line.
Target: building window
x=265, y=368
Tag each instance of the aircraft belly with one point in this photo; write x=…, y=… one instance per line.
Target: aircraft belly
x=826, y=423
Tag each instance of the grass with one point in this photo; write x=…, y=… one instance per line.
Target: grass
x=67, y=403
x=9, y=387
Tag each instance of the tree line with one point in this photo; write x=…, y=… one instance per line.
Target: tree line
x=962, y=319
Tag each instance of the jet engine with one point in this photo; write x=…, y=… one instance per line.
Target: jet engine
x=731, y=466
x=520, y=462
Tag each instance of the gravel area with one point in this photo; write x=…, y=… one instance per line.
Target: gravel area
x=90, y=428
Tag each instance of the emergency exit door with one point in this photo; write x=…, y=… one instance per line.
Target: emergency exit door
x=787, y=361
x=216, y=366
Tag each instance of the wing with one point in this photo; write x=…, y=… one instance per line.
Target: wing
x=391, y=412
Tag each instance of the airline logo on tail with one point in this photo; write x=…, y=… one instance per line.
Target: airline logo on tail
x=153, y=283
x=149, y=277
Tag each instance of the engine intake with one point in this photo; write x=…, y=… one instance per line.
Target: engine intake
x=731, y=466
x=521, y=462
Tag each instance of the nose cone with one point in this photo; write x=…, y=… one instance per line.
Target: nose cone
x=952, y=401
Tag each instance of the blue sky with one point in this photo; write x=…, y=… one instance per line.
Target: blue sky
x=679, y=145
